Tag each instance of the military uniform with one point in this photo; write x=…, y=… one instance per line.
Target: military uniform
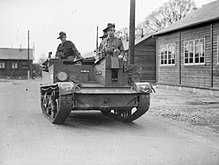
x=67, y=49
x=111, y=44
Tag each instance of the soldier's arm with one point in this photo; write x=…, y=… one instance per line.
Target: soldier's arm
x=58, y=53
x=76, y=52
x=121, y=48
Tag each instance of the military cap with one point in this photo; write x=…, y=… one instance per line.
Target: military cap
x=109, y=25
x=61, y=34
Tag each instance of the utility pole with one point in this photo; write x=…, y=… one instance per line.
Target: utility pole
x=29, y=72
x=132, y=33
x=97, y=42
x=28, y=46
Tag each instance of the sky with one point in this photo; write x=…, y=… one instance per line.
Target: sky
x=78, y=18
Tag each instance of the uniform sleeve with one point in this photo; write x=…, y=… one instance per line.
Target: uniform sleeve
x=121, y=47
x=74, y=49
x=57, y=51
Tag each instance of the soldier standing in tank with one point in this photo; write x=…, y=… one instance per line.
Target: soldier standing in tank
x=112, y=45
x=66, y=49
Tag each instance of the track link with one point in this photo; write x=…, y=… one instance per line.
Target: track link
x=63, y=109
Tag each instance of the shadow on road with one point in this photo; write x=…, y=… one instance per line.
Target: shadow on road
x=97, y=119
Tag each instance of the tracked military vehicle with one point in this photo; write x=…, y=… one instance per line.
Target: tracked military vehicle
x=109, y=85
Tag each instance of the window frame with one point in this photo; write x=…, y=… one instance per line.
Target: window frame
x=165, y=49
x=14, y=65
x=191, y=60
x=2, y=65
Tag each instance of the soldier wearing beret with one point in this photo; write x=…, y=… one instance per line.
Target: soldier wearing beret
x=112, y=45
x=66, y=49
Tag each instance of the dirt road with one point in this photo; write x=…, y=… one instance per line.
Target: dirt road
x=28, y=138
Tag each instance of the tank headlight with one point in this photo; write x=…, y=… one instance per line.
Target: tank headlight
x=143, y=87
x=62, y=76
x=66, y=85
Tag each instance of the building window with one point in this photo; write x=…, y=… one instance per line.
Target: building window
x=2, y=65
x=194, y=51
x=24, y=65
x=218, y=49
x=167, y=54
x=14, y=65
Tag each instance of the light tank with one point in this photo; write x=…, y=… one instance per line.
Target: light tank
x=109, y=85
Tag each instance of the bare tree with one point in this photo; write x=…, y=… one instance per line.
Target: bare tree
x=123, y=33
x=170, y=12
x=42, y=59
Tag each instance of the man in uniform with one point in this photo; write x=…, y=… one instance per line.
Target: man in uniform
x=112, y=45
x=67, y=49
x=100, y=48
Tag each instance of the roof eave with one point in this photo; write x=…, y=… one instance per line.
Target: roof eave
x=187, y=26
x=141, y=40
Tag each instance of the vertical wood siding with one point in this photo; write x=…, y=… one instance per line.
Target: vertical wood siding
x=145, y=58
x=215, y=51
x=196, y=75
x=167, y=74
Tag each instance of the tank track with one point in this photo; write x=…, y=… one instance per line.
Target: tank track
x=54, y=107
x=130, y=115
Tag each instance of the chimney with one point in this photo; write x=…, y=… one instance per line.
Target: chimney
x=194, y=8
x=142, y=32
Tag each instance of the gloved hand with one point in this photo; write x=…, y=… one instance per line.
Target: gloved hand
x=60, y=55
x=120, y=56
x=116, y=52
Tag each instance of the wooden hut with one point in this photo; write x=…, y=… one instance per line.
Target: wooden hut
x=14, y=63
x=187, y=51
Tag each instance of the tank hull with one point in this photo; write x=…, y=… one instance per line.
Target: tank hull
x=123, y=104
x=109, y=85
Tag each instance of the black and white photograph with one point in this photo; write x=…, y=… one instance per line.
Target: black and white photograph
x=109, y=82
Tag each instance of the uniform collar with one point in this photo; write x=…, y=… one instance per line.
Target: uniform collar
x=64, y=42
x=110, y=38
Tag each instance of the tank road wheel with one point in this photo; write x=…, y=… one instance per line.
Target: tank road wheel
x=52, y=105
x=44, y=102
x=48, y=105
x=130, y=115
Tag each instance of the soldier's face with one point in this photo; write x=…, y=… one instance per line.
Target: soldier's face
x=63, y=38
x=111, y=31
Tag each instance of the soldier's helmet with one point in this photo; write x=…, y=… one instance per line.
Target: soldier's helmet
x=61, y=34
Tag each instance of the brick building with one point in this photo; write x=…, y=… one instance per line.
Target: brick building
x=187, y=51
x=14, y=62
